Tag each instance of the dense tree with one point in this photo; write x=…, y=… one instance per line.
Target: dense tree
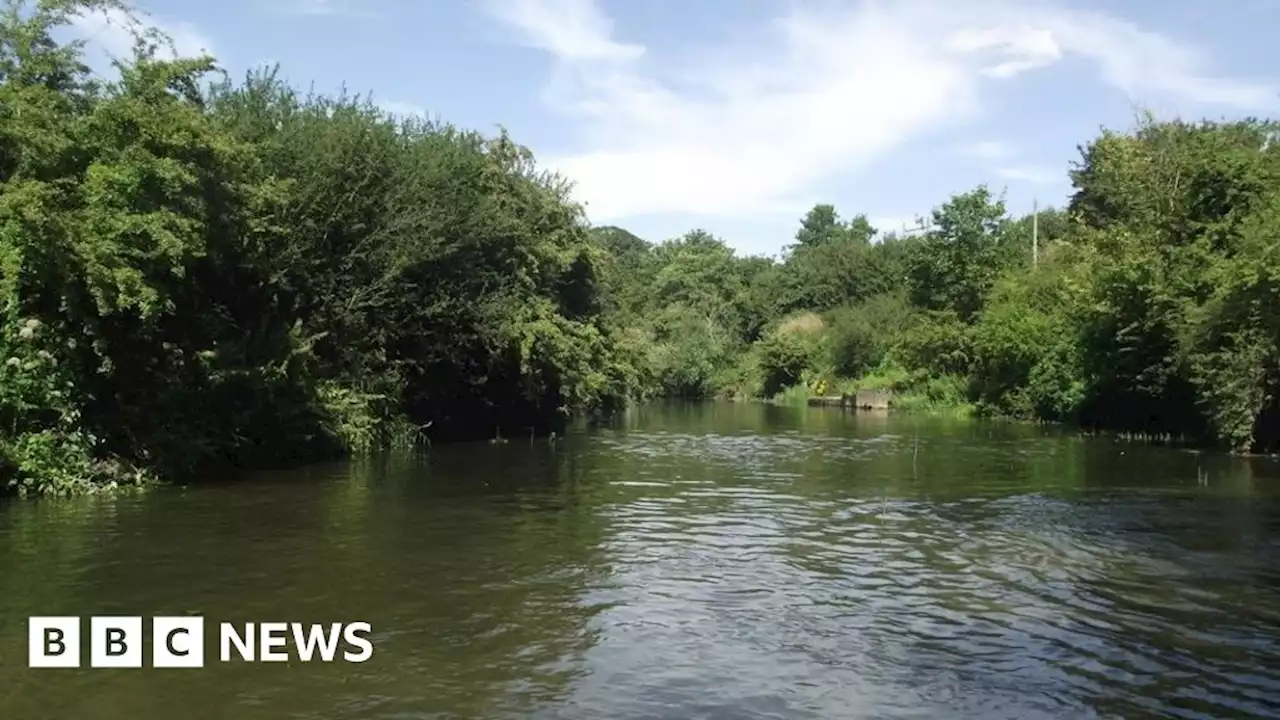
x=831, y=264
x=1151, y=306
x=819, y=226
x=1182, y=336
x=822, y=226
x=961, y=256
x=197, y=273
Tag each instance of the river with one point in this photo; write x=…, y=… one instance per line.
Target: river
x=690, y=561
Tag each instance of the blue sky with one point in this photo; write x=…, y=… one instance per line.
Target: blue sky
x=737, y=115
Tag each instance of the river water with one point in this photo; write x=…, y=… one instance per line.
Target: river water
x=692, y=561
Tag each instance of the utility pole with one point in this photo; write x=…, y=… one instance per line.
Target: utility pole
x=1035, y=233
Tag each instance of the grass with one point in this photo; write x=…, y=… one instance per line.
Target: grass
x=797, y=395
x=913, y=392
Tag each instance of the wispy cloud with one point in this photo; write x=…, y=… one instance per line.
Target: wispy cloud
x=1142, y=63
x=1026, y=48
x=110, y=34
x=748, y=128
x=573, y=30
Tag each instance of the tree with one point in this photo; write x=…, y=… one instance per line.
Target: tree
x=961, y=256
x=819, y=226
x=823, y=226
x=1179, y=339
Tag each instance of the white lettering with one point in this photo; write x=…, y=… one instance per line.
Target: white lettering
x=327, y=643
x=353, y=637
x=229, y=637
x=273, y=636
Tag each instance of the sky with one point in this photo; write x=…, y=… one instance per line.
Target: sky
x=737, y=116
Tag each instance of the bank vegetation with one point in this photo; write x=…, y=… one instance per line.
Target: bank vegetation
x=199, y=274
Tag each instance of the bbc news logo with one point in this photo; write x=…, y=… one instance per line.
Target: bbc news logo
x=178, y=642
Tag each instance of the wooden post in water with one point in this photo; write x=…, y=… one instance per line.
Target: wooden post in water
x=915, y=453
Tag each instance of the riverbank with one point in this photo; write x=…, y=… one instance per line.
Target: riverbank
x=241, y=275
x=245, y=276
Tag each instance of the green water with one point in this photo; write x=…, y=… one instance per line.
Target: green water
x=707, y=561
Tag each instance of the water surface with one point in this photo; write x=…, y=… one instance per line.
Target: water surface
x=698, y=561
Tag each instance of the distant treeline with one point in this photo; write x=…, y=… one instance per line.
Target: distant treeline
x=199, y=275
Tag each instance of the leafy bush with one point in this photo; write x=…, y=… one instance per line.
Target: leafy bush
x=860, y=335
x=791, y=350
x=937, y=342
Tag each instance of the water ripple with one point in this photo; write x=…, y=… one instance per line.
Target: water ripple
x=1012, y=605
x=753, y=563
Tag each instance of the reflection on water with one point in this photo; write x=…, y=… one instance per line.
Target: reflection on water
x=717, y=561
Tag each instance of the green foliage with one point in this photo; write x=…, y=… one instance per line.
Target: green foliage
x=856, y=344
x=199, y=275
x=1232, y=342
x=888, y=375
x=1025, y=353
x=688, y=368
x=822, y=226
x=917, y=391
x=861, y=335
x=366, y=421
x=789, y=351
x=1180, y=335
x=961, y=256
x=935, y=394
x=697, y=305
x=744, y=378
x=936, y=341
x=195, y=275
x=832, y=263
x=1151, y=304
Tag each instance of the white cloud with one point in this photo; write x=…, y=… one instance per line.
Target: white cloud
x=747, y=129
x=112, y=32
x=1031, y=174
x=1141, y=62
x=569, y=29
x=1032, y=47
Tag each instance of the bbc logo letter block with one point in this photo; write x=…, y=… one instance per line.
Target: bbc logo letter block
x=53, y=642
